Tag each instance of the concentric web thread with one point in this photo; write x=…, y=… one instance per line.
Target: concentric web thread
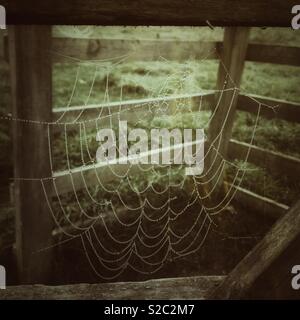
x=142, y=216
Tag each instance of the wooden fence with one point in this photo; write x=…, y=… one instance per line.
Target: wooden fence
x=66, y=50
x=32, y=100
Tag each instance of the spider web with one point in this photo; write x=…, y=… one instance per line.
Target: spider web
x=144, y=215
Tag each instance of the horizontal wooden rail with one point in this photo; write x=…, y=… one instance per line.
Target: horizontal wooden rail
x=276, y=54
x=272, y=161
x=67, y=49
x=103, y=172
x=78, y=178
x=270, y=108
x=169, y=288
x=260, y=204
x=151, y=12
x=132, y=110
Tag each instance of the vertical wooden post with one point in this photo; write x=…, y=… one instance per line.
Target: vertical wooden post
x=31, y=80
x=2, y=46
x=229, y=77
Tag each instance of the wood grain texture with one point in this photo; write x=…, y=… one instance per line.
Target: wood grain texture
x=166, y=289
x=275, y=281
x=271, y=108
x=281, y=236
x=230, y=72
x=151, y=12
x=276, y=54
x=31, y=81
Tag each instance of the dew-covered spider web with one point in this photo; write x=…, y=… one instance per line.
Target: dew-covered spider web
x=133, y=216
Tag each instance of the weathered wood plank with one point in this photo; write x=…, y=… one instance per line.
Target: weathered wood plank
x=30, y=65
x=130, y=110
x=261, y=205
x=229, y=78
x=88, y=112
x=270, y=160
x=276, y=54
x=273, y=245
x=270, y=108
x=276, y=281
x=134, y=109
x=162, y=289
x=76, y=179
x=105, y=172
x=273, y=161
x=2, y=45
x=151, y=12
